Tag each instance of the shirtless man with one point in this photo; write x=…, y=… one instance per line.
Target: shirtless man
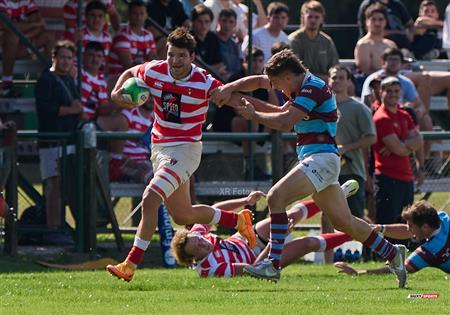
x=370, y=48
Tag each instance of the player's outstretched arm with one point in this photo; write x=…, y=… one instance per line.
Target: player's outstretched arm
x=116, y=93
x=222, y=95
x=347, y=269
x=234, y=204
x=283, y=120
x=398, y=231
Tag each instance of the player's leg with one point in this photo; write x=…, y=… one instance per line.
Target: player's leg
x=293, y=186
x=299, y=247
x=333, y=203
x=303, y=210
x=183, y=213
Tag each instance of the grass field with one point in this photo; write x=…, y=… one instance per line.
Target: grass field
x=304, y=289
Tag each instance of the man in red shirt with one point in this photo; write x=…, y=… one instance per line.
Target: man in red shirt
x=397, y=138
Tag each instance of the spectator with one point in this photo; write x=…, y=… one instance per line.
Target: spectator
x=397, y=138
x=370, y=47
x=70, y=14
x=94, y=30
x=226, y=120
x=169, y=14
x=208, y=46
x=315, y=48
x=58, y=109
x=137, y=166
x=446, y=31
x=265, y=37
x=133, y=44
x=355, y=134
x=259, y=19
x=28, y=20
x=400, y=28
x=94, y=94
x=218, y=5
x=427, y=43
x=230, y=51
x=392, y=62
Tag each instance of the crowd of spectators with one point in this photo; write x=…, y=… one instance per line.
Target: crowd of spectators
x=381, y=83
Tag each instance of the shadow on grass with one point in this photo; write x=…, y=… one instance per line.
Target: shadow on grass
x=9, y=264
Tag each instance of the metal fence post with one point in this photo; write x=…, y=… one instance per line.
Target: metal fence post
x=11, y=189
x=79, y=191
x=277, y=156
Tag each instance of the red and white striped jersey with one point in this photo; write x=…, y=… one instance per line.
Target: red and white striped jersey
x=18, y=10
x=139, y=47
x=136, y=123
x=225, y=253
x=180, y=105
x=71, y=7
x=105, y=39
x=94, y=93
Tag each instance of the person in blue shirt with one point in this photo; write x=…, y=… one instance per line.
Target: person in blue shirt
x=311, y=110
x=423, y=223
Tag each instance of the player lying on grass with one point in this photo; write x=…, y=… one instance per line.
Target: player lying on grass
x=424, y=222
x=213, y=256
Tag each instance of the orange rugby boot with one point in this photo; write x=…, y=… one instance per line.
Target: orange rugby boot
x=245, y=227
x=125, y=270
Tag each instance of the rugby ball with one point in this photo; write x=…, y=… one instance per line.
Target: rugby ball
x=135, y=90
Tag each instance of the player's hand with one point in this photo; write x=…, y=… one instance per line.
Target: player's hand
x=385, y=151
x=76, y=107
x=221, y=95
x=253, y=197
x=420, y=178
x=118, y=99
x=291, y=226
x=345, y=268
x=246, y=110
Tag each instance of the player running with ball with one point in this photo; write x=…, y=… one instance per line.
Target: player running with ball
x=311, y=110
x=180, y=91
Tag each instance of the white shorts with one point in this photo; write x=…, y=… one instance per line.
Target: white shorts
x=49, y=157
x=173, y=165
x=322, y=169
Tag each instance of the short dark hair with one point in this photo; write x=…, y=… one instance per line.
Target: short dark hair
x=181, y=38
x=96, y=46
x=376, y=8
x=95, y=5
x=391, y=51
x=277, y=8
x=422, y=212
x=279, y=46
x=284, y=61
x=201, y=9
x=136, y=4
x=256, y=52
x=227, y=13
x=347, y=71
x=67, y=44
x=426, y=3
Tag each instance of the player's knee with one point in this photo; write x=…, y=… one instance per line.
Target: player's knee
x=150, y=201
x=275, y=199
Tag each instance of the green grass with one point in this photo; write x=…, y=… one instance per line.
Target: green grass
x=304, y=289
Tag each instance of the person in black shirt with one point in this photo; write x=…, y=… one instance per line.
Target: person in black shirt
x=208, y=43
x=58, y=109
x=169, y=14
